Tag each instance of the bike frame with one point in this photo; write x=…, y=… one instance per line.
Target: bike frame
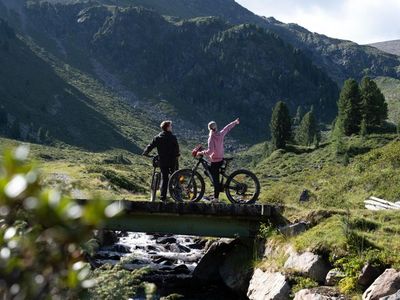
x=206, y=167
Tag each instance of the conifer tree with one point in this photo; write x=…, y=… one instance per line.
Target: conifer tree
x=337, y=137
x=374, y=106
x=298, y=116
x=307, y=130
x=349, y=108
x=280, y=125
x=363, y=128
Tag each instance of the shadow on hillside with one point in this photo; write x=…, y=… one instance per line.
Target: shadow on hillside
x=39, y=99
x=304, y=150
x=354, y=150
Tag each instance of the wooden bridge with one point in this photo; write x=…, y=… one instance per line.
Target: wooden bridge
x=199, y=219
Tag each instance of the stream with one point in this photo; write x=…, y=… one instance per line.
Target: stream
x=171, y=259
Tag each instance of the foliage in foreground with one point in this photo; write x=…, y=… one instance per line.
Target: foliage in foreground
x=116, y=283
x=41, y=234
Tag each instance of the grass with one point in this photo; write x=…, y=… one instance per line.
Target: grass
x=285, y=174
x=91, y=173
x=341, y=229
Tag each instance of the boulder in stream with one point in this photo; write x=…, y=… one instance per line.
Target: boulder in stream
x=208, y=267
x=268, y=286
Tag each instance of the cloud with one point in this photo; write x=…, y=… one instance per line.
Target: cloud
x=362, y=21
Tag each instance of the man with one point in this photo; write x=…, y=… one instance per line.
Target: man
x=168, y=151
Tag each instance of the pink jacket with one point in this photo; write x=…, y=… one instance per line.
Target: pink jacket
x=215, y=149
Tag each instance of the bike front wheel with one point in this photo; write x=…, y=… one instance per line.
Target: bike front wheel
x=186, y=185
x=242, y=187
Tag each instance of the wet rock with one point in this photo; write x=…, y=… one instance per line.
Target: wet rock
x=105, y=255
x=319, y=293
x=152, y=248
x=166, y=268
x=309, y=264
x=106, y=237
x=294, y=229
x=166, y=240
x=164, y=262
x=173, y=248
x=121, y=248
x=181, y=269
x=395, y=296
x=183, y=248
x=333, y=277
x=196, y=246
x=121, y=233
x=268, y=286
x=208, y=267
x=385, y=285
x=368, y=275
x=236, y=269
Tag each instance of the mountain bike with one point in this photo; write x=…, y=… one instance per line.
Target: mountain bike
x=241, y=187
x=155, y=178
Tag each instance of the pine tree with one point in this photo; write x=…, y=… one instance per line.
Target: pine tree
x=299, y=115
x=337, y=137
x=307, y=129
x=363, y=128
x=349, y=107
x=280, y=125
x=316, y=140
x=374, y=106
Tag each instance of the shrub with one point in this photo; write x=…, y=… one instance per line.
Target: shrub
x=41, y=235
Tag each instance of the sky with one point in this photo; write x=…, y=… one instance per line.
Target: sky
x=361, y=21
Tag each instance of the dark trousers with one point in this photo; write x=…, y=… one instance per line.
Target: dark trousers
x=165, y=172
x=214, y=170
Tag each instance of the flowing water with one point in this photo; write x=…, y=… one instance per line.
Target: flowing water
x=171, y=259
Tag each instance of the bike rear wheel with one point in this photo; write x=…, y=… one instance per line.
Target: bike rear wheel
x=242, y=187
x=155, y=185
x=186, y=185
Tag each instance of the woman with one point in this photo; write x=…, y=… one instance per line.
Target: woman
x=215, y=151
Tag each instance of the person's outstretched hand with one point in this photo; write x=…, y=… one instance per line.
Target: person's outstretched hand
x=237, y=121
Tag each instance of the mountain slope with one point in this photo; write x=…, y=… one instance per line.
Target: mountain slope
x=340, y=59
x=201, y=68
x=392, y=47
x=390, y=87
x=38, y=105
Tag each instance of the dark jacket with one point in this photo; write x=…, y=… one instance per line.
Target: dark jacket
x=167, y=148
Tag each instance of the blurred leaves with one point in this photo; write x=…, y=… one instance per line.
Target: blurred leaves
x=41, y=234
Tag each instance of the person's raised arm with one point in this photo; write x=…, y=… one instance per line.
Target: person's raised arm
x=228, y=127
